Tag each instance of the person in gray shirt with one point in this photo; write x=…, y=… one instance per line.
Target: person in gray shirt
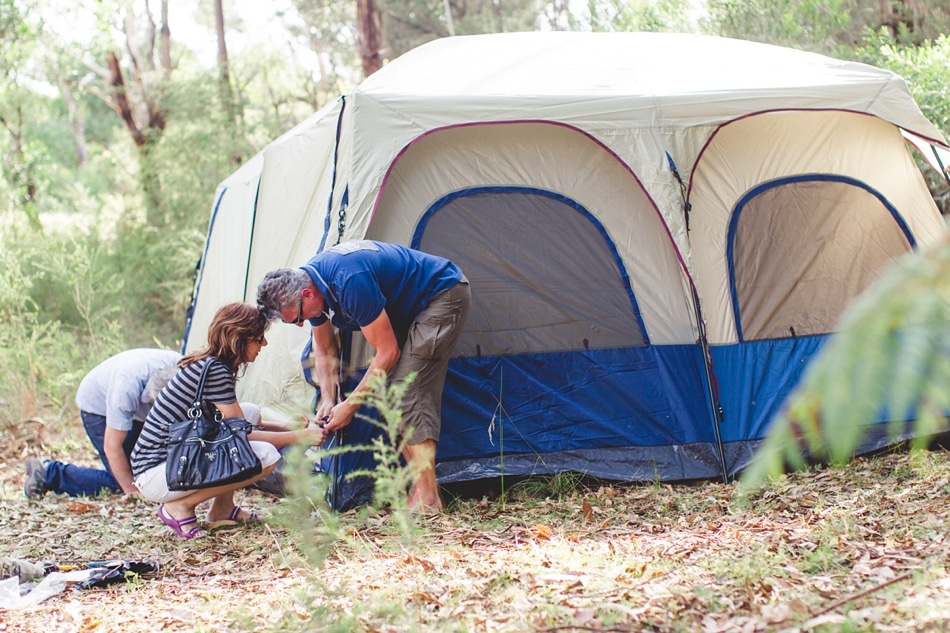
x=113, y=399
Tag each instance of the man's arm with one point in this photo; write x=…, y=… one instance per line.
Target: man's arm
x=326, y=364
x=118, y=461
x=381, y=336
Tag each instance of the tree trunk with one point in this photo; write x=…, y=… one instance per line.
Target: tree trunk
x=224, y=73
x=120, y=99
x=367, y=19
x=224, y=84
x=145, y=136
x=166, y=41
x=449, y=23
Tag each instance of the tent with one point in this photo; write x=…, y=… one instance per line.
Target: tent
x=660, y=230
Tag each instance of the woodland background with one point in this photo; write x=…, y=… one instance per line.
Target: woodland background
x=118, y=118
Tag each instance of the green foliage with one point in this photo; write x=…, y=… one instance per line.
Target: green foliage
x=160, y=268
x=891, y=357
x=807, y=24
x=74, y=287
x=198, y=136
x=833, y=27
x=72, y=297
x=17, y=35
x=557, y=486
x=328, y=28
x=306, y=505
x=410, y=23
x=38, y=357
x=644, y=15
x=22, y=165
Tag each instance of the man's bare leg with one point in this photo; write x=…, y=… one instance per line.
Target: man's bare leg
x=425, y=489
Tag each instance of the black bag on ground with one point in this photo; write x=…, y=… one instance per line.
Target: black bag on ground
x=205, y=451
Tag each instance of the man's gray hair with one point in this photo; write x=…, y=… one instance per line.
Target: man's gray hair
x=157, y=381
x=280, y=289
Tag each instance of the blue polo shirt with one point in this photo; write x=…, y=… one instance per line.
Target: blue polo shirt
x=361, y=279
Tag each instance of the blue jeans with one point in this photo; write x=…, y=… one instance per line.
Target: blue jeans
x=78, y=481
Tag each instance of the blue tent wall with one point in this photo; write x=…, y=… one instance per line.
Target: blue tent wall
x=632, y=414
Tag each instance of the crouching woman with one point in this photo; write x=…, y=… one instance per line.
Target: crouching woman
x=235, y=338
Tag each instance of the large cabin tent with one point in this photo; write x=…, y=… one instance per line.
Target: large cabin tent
x=659, y=229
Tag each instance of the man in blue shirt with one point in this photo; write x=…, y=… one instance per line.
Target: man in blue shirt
x=409, y=305
x=113, y=400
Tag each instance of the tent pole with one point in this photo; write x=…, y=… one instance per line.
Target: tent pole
x=717, y=414
x=943, y=168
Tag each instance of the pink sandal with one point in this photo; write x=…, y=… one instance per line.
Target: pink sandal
x=233, y=521
x=195, y=532
x=252, y=517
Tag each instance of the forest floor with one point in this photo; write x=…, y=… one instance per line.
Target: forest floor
x=862, y=547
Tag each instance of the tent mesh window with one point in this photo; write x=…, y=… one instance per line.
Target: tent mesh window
x=802, y=250
x=544, y=276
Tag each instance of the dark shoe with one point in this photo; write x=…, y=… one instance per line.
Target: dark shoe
x=35, y=485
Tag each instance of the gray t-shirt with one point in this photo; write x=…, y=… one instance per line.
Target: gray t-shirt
x=115, y=388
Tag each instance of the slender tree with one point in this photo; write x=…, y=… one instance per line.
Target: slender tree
x=224, y=73
x=166, y=40
x=368, y=21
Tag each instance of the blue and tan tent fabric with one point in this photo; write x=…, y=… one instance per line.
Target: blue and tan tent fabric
x=660, y=231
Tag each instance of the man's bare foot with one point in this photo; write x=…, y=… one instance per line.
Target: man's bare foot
x=425, y=501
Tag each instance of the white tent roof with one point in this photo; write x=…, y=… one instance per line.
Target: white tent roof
x=686, y=80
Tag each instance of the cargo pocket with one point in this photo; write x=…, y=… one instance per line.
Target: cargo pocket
x=429, y=337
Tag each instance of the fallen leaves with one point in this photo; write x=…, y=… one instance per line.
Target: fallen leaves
x=830, y=548
x=78, y=507
x=541, y=531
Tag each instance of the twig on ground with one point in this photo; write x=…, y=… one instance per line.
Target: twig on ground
x=860, y=594
x=280, y=550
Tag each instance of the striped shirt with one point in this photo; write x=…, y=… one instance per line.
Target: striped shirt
x=172, y=405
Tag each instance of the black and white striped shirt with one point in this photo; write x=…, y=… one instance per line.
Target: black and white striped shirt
x=172, y=405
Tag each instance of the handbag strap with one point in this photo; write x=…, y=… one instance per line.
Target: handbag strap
x=196, y=406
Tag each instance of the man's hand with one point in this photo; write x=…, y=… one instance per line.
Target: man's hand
x=323, y=411
x=341, y=415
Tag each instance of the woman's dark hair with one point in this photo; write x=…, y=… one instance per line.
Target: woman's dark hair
x=232, y=327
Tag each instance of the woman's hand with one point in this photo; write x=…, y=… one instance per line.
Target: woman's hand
x=313, y=436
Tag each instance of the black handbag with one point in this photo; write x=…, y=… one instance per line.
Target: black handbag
x=205, y=451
